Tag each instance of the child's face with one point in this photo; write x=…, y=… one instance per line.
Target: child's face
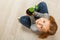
x=43, y=24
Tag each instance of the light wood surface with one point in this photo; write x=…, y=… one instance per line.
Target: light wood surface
x=10, y=10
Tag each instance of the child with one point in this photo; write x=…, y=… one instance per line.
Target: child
x=35, y=17
x=33, y=14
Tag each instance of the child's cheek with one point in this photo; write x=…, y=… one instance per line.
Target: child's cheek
x=46, y=29
x=38, y=27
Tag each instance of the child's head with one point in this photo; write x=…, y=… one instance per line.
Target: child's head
x=43, y=24
x=47, y=26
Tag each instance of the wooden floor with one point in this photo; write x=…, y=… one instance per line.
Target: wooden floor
x=10, y=10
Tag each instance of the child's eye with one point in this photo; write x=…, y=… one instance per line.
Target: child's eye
x=43, y=21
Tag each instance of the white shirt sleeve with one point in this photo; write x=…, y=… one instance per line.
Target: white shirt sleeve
x=33, y=27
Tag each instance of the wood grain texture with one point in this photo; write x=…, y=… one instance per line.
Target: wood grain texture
x=10, y=10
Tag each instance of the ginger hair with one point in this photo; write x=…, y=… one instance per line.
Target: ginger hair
x=52, y=30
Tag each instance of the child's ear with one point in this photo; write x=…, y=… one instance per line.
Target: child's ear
x=53, y=26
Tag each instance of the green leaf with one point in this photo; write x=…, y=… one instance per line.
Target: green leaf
x=36, y=6
x=31, y=9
